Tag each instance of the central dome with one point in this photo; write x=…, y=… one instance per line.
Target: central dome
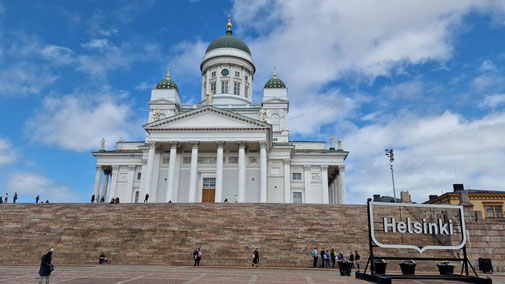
x=228, y=41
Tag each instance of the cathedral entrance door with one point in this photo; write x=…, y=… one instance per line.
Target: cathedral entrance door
x=208, y=190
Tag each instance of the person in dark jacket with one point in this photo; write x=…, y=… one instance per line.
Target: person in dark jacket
x=93, y=198
x=256, y=258
x=351, y=259
x=46, y=266
x=333, y=256
x=356, y=258
x=322, y=258
x=196, y=257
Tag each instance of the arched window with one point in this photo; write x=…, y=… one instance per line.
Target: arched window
x=275, y=120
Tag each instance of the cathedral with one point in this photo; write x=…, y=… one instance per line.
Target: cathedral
x=224, y=149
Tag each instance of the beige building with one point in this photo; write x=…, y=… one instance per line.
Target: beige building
x=489, y=202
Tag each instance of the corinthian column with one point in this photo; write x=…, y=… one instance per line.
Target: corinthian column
x=98, y=178
x=171, y=171
x=263, y=171
x=105, y=184
x=324, y=177
x=113, y=181
x=241, y=172
x=193, y=173
x=308, y=178
x=131, y=178
x=149, y=172
x=287, y=180
x=219, y=172
x=341, y=185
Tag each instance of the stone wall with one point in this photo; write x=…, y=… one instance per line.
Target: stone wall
x=161, y=234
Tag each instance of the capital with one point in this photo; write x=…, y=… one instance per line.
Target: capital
x=151, y=144
x=220, y=144
x=98, y=167
x=115, y=168
x=307, y=167
x=324, y=167
x=263, y=144
x=242, y=144
x=144, y=162
x=194, y=144
x=341, y=168
x=132, y=167
x=173, y=144
x=286, y=161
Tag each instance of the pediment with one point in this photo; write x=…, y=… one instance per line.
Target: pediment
x=206, y=117
x=161, y=101
x=275, y=101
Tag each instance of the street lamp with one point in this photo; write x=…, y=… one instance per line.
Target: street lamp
x=389, y=153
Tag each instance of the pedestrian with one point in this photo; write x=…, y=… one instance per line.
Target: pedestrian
x=351, y=259
x=102, y=200
x=356, y=258
x=116, y=200
x=45, y=266
x=322, y=258
x=97, y=198
x=256, y=258
x=47, y=201
x=315, y=255
x=15, y=197
x=37, y=199
x=112, y=200
x=146, y=198
x=199, y=256
x=226, y=200
x=333, y=256
x=1, y=200
x=102, y=258
x=93, y=198
x=326, y=259
x=340, y=256
x=196, y=258
x=236, y=198
x=6, y=197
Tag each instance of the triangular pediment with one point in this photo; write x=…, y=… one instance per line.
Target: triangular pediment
x=206, y=117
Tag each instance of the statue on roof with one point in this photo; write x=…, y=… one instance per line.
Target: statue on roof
x=331, y=142
x=102, y=144
x=156, y=115
x=339, y=141
x=263, y=115
x=210, y=99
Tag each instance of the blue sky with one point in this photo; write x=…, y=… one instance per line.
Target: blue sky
x=423, y=77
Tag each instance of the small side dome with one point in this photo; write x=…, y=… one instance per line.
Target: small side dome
x=167, y=83
x=275, y=82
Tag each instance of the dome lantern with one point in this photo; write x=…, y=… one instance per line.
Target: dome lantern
x=275, y=82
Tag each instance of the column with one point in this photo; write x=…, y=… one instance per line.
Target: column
x=219, y=172
x=194, y=169
x=324, y=177
x=341, y=185
x=241, y=171
x=149, y=171
x=98, y=178
x=129, y=185
x=287, y=180
x=263, y=171
x=105, y=184
x=113, y=181
x=308, y=178
x=171, y=172
x=143, y=175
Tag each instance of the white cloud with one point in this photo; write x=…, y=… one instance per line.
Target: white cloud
x=97, y=44
x=78, y=122
x=487, y=65
x=33, y=184
x=8, y=154
x=24, y=79
x=185, y=65
x=493, y=101
x=57, y=54
x=411, y=90
x=145, y=86
x=109, y=32
x=430, y=152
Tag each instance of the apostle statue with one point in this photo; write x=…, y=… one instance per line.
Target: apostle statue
x=210, y=99
x=263, y=115
x=156, y=115
x=102, y=144
x=331, y=142
x=339, y=141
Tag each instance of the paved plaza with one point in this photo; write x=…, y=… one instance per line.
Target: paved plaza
x=115, y=274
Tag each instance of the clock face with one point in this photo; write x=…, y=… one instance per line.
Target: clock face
x=225, y=72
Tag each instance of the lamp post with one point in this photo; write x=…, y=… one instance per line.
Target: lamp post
x=389, y=153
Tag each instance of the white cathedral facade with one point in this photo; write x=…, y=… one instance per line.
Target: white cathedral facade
x=225, y=147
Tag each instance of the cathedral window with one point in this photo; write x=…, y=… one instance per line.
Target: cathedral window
x=224, y=87
x=297, y=176
x=246, y=91
x=246, y=78
x=213, y=74
x=297, y=197
x=237, y=74
x=213, y=87
x=137, y=194
x=275, y=121
x=139, y=175
x=236, y=88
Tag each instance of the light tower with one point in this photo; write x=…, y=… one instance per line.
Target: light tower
x=389, y=153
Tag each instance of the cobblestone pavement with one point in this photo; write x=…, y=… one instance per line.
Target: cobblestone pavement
x=115, y=274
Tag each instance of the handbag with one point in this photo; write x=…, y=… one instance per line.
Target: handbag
x=51, y=267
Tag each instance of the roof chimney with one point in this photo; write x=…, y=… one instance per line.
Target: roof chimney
x=433, y=196
x=376, y=197
x=458, y=187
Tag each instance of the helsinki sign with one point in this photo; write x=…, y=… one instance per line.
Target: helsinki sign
x=417, y=226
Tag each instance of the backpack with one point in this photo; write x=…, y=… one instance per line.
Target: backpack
x=314, y=254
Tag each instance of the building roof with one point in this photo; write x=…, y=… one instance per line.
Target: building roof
x=167, y=83
x=228, y=41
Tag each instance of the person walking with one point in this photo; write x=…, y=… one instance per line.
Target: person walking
x=102, y=200
x=15, y=197
x=45, y=266
x=146, y=198
x=1, y=199
x=333, y=256
x=256, y=258
x=315, y=255
x=6, y=197
x=351, y=259
x=356, y=258
x=322, y=258
x=93, y=198
x=37, y=199
x=196, y=258
x=326, y=259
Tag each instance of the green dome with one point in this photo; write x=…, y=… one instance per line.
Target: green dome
x=167, y=83
x=228, y=41
x=275, y=83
